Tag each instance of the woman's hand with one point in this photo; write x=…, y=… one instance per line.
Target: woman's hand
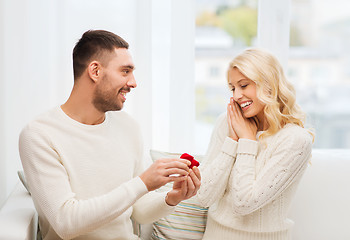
x=185, y=189
x=231, y=132
x=241, y=126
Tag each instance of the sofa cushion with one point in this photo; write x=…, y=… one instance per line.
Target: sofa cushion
x=321, y=207
x=23, y=180
x=189, y=218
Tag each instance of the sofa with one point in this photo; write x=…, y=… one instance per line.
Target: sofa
x=320, y=209
x=18, y=218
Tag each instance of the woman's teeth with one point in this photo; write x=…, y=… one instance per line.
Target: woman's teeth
x=245, y=104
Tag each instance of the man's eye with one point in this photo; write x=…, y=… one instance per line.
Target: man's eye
x=126, y=71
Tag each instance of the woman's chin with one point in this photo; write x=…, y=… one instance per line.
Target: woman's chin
x=247, y=115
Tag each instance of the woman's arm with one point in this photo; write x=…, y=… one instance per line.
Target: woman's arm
x=291, y=150
x=217, y=164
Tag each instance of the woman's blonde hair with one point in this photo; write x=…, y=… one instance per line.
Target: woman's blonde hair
x=273, y=89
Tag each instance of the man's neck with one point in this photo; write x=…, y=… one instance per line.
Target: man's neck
x=80, y=108
x=83, y=115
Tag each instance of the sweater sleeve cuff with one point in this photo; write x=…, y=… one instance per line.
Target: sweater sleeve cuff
x=138, y=186
x=163, y=206
x=247, y=146
x=229, y=147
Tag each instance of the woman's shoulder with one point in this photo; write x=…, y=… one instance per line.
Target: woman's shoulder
x=221, y=123
x=220, y=129
x=298, y=130
x=221, y=119
x=295, y=133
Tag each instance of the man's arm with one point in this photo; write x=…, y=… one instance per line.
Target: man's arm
x=52, y=192
x=164, y=171
x=155, y=205
x=186, y=181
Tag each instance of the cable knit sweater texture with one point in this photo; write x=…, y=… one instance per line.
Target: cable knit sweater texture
x=248, y=185
x=84, y=178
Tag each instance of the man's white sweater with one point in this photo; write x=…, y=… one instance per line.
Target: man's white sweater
x=248, y=185
x=84, y=178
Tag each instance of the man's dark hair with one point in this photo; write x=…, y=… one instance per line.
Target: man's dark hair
x=94, y=45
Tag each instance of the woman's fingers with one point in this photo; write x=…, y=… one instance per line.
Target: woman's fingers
x=237, y=109
x=193, y=182
x=231, y=120
x=190, y=187
x=232, y=111
x=229, y=114
x=242, y=127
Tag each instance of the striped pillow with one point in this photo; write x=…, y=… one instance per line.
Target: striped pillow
x=189, y=219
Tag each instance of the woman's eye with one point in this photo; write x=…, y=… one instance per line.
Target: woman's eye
x=243, y=86
x=232, y=89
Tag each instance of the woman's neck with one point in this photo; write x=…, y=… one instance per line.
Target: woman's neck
x=263, y=125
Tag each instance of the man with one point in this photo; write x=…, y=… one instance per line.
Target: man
x=83, y=159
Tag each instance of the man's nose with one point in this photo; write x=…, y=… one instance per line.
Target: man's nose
x=132, y=82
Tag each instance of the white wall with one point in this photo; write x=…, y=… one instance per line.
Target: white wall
x=25, y=82
x=274, y=28
x=2, y=111
x=37, y=38
x=173, y=75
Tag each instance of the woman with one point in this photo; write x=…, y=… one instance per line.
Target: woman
x=257, y=155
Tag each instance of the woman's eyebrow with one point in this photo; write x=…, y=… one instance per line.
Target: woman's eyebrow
x=238, y=81
x=242, y=80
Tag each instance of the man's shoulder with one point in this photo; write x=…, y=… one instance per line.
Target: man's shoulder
x=122, y=117
x=43, y=118
x=124, y=123
x=40, y=124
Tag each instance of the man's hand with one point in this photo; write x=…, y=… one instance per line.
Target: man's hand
x=184, y=189
x=165, y=170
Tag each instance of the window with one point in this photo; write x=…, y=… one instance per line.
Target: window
x=214, y=72
x=314, y=53
x=223, y=29
x=318, y=57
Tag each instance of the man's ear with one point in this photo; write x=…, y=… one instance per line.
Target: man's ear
x=94, y=70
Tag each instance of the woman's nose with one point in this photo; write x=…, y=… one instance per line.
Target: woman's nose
x=237, y=94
